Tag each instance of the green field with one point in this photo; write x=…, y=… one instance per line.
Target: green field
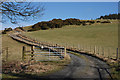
x=100, y=35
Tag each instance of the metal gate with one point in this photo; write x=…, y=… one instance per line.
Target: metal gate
x=49, y=53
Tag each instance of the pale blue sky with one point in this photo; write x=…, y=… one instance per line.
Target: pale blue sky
x=73, y=0
x=79, y=10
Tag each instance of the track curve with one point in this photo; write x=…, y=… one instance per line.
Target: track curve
x=86, y=67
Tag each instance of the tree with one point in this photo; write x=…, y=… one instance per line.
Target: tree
x=16, y=11
x=6, y=30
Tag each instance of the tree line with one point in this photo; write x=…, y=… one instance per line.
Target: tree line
x=56, y=23
x=110, y=16
x=59, y=23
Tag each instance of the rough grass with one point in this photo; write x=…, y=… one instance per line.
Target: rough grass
x=36, y=69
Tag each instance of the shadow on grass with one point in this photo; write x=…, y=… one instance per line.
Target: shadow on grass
x=24, y=76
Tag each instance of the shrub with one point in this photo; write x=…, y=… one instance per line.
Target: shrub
x=98, y=21
x=92, y=22
x=45, y=27
x=105, y=22
x=84, y=24
x=4, y=32
x=8, y=29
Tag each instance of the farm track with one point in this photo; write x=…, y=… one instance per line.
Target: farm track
x=79, y=68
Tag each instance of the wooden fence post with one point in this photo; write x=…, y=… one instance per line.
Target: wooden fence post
x=73, y=46
x=119, y=58
x=65, y=52
x=94, y=49
x=108, y=53
x=49, y=53
x=78, y=47
x=90, y=49
x=6, y=53
x=23, y=53
x=66, y=45
x=98, y=50
x=117, y=54
x=103, y=52
x=83, y=47
x=32, y=51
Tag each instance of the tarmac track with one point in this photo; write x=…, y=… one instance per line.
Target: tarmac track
x=82, y=68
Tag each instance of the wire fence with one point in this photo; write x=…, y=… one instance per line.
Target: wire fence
x=112, y=53
x=99, y=51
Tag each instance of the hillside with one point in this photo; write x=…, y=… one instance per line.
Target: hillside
x=96, y=34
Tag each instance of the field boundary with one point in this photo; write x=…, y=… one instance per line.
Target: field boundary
x=93, y=52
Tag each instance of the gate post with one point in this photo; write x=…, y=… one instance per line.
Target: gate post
x=32, y=51
x=117, y=56
x=49, y=54
x=64, y=52
x=23, y=53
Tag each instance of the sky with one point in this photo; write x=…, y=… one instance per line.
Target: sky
x=78, y=10
x=66, y=0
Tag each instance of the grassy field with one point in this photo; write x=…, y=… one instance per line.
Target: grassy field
x=100, y=35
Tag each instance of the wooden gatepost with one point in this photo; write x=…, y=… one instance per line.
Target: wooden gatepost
x=64, y=52
x=31, y=53
x=23, y=53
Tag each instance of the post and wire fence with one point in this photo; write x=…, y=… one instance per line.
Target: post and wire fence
x=99, y=51
x=107, y=53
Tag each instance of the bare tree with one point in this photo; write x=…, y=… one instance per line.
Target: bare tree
x=16, y=11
